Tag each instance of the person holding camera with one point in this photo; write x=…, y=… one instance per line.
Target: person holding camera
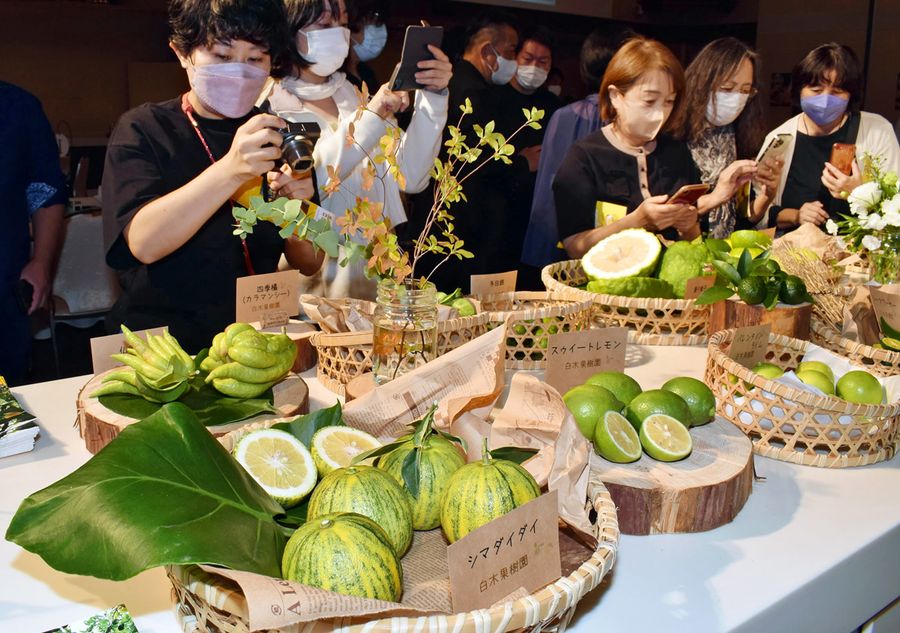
x=175, y=169
x=315, y=87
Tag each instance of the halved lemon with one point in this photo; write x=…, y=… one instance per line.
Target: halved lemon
x=335, y=447
x=616, y=440
x=279, y=462
x=665, y=438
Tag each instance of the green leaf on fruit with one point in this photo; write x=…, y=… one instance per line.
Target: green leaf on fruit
x=713, y=294
x=513, y=453
x=303, y=427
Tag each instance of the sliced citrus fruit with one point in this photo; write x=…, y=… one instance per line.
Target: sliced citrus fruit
x=616, y=440
x=335, y=447
x=628, y=253
x=279, y=462
x=665, y=438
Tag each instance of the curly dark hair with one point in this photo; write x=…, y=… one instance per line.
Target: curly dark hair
x=710, y=69
x=196, y=23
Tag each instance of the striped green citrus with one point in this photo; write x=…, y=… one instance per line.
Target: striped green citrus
x=346, y=553
x=368, y=491
x=440, y=459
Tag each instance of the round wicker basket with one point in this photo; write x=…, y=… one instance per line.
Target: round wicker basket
x=792, y=424
x=535, y=315
x=345, y=355
x=881, y=362
x=653, y=321
x=212, y=604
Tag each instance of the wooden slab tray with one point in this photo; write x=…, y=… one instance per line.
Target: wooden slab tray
x=699, y=493
x=98, y=425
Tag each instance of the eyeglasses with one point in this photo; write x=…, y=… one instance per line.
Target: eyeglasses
x=750, y=93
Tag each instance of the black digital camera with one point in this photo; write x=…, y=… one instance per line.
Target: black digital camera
x=298, y=140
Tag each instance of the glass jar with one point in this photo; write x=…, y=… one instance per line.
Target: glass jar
x=405, y=324
x=886, y=261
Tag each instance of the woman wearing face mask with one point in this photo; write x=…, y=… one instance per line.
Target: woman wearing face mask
x=723, y=122
x=827, y=87
x=175, y=169
x=627, y=165
x=314, y=87
x=368, y=36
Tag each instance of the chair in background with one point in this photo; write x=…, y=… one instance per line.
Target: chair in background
x=84, y=288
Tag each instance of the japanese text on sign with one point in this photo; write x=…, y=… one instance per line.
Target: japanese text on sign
x=573, y=357
x=493, y=284
x=269, y=298
x=750, y=344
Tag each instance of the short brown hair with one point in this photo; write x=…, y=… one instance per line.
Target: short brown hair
x=637, y=56
x=820, y=61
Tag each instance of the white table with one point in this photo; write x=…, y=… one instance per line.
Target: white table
x=812, y=550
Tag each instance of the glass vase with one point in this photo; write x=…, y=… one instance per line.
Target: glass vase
x=405, y=325
x=886, y=262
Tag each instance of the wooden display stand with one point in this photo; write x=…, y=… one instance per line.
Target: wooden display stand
x=359, y=386
x=699, y=493
x=786, y=320
x=98, y=425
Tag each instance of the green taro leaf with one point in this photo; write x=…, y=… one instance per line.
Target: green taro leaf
x=713, y=294
x=294, y=517
x=163, y=492
x=305, y=426
x=210, y=406
x=513, y=453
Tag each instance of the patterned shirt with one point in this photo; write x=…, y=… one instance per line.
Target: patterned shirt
x=713, y=152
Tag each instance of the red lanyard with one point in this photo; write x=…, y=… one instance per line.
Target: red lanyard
x=188, y=110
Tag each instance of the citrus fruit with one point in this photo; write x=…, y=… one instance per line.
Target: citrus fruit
x=463, y=307
x=657, y=401
x=368, y=491
x=698, y=397
x=816, y=379
x=335, y=447
x=665, y=438
x=890, y=343
x=861, y=387
x=346, y=553
x=887, y=330
x=737, y=252
x=768, y=370
x=682, y=261
x=588, y=403
x=815, y=365
x=482, y=491
x=632, y=287
x=616, y=440
x=752, y=290
x=622, y=386
x=628, y=253
x=749, y=239
x=439, y=459
x=279, y=462
x=793, y=291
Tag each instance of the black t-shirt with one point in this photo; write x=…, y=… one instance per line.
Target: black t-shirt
x=804, y=179
x=594, y=170
x=152, y=152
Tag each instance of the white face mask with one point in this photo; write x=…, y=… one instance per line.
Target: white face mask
x=727, y=107
x=326, y=49
x=636, y=119
x=374, y=39
x=531, y=77
x=505, y=70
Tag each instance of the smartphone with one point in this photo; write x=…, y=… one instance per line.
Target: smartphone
x=776, y=147
x=415, y=50
x=842, y=155
x=688, y=194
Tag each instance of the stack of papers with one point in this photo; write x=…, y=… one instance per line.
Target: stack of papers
x=18, y=428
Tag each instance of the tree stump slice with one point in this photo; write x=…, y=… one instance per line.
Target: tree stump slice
x=98, y=426
x=787, y=320
x=359, y=386
x=699, y=493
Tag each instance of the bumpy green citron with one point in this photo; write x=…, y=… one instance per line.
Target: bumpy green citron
x=368, y=491
x=439, y=460
x=683, y=261
x=483, y=491
x=346, y=553
x=628, y=253
x=632, y=287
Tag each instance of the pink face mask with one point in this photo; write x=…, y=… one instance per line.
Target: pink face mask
x=230, y=89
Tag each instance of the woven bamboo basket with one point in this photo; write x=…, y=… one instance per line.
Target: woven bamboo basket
x=652, y=321
x=212, y=604
x=535, y=316
x=794, y=425
x=345, y=355
x=881, y=362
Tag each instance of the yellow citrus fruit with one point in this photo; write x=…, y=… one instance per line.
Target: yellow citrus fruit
x=861, y=387
x=815, y=365
x=279, y=462
x=816, y=379
x=335, y=447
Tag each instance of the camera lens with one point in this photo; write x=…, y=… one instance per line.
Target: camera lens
x=296, y=151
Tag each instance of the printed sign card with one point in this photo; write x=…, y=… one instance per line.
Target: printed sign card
x=696, y=285
x=750, y=344
x=573, y=357
x=520, y=549
x=103, y=347
x=886, y=301
x=269, y=299
x=494, y=284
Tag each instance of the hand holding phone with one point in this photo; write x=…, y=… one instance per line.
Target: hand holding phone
x=688, y=194
x=842, y=156
x=776, y=147
x=415, y=50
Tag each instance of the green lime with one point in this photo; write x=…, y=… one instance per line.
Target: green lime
x=752, y=290
x=816, y=379
x=861, y=387
x=519, y=329
x=615, y=439
x=754, y=252
x=793, y=291
x=750, y=238
x=588, y=403
x=622, y=385
x=815, y=365
x=464, y=307
x=698, y=397
x=657, y=401
x=665, y=438
x=891, y=343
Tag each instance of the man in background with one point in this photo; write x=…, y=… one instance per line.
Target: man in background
x=32, y=196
